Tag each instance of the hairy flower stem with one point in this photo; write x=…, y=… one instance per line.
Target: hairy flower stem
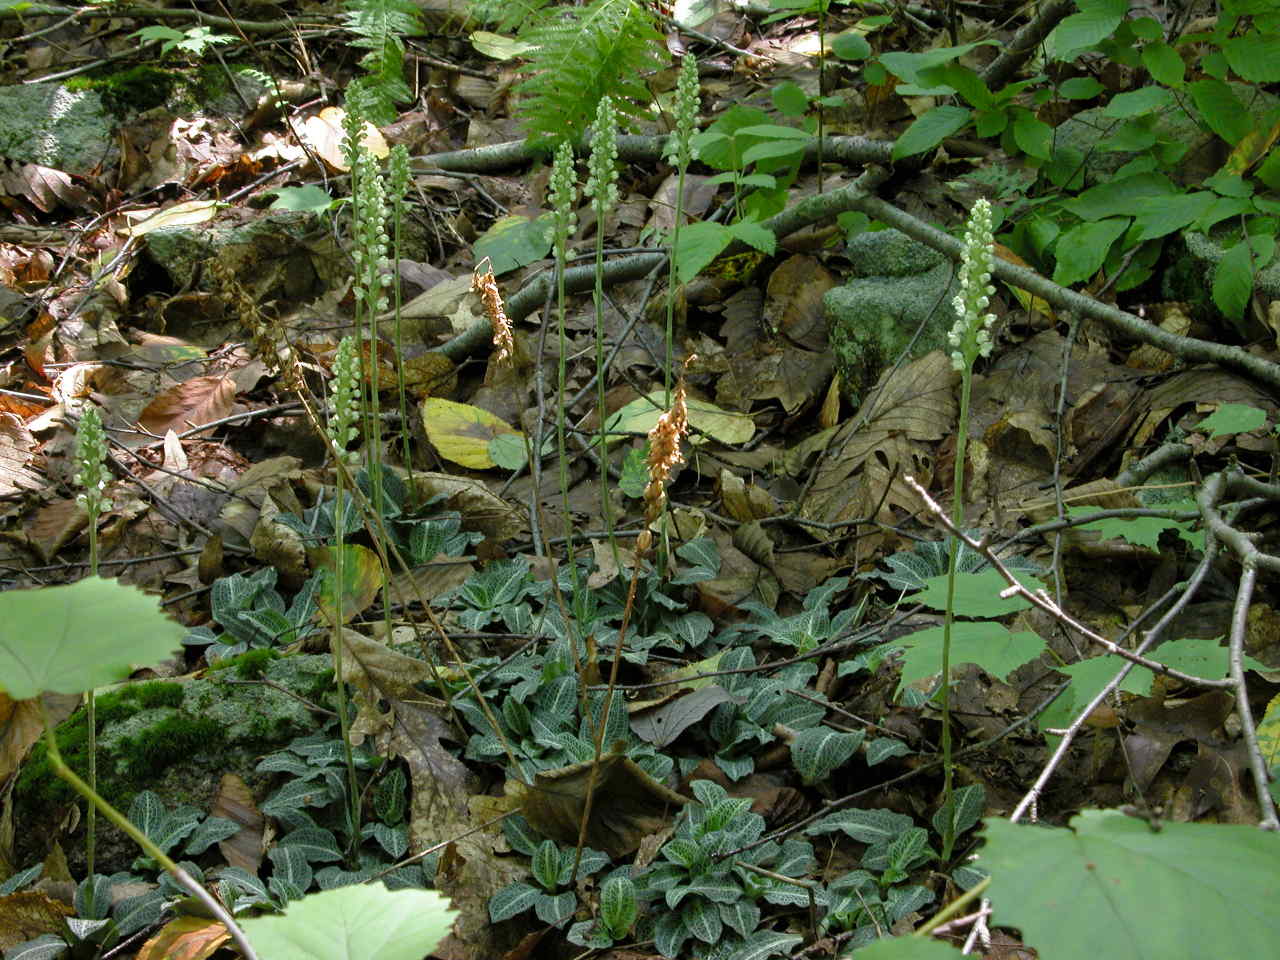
x=602, y=187
x=91, y=455
x=563, y=199
x=971, y=338
x=342, y=430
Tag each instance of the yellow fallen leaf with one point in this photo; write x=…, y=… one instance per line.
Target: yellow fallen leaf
x=639, y=416
x=461, y=433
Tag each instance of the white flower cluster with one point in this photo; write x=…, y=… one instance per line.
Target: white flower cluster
x=91, y=455
x=563, y=192
x=679, y=148
x=344, y=406
x=602, y=166
x=970, y=337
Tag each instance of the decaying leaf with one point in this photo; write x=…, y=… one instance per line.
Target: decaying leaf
x=185, y=938
x=627, y=805
x=892, y=436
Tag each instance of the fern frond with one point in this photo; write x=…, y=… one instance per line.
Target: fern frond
x=582, y=54
x=507, y=15
x=380, y=27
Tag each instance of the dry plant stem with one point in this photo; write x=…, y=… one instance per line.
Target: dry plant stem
x=808, y=885
x=382, y=543
x=1042, y=600
x=1213, y=488
x=936, y=922
x=1025, y=42
x=1250, y=558
x=598, y=739
x=142, y=840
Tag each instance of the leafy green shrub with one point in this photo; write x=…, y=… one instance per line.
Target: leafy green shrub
x=252, y=614
x=552, y=869
x=706, y=889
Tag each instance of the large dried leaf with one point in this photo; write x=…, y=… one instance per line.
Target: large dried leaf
x=26, y=915
x=189, y=404
x=627, y=804
x=892, y=437
x=17, y=450
x=235, y=802
x=185, y=938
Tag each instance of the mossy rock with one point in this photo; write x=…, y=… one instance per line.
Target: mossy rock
x=176, y=738
x=901, y=287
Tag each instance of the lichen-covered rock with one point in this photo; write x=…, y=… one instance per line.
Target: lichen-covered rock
x=899, y=301
x=49, y=124
x=176, y=738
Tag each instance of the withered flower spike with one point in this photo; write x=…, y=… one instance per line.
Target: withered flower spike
x=486, y=285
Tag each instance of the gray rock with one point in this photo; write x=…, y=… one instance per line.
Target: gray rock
x=902, y=289
x=177, y=738
x=48, y=124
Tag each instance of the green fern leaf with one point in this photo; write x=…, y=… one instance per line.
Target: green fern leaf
x=380, y=27
x=581, y=55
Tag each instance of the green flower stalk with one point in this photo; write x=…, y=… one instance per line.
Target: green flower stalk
x=602, y=188
x=343, y=417
x=970, y=339
x=678, y=152
x=91, y=457
x=562, y=194
x=398, y=179
x=344, y=408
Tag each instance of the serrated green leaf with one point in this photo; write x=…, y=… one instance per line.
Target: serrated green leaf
x=1163, y=63
x=1215, y=883
x=850, y=45
x=1233, y=281
x=990, y=646
x=930, y=130
x=697, y=245
x=1096, y=21
x=1081, y=251
x=354, y=923
x=908, y=948
x=1140, y=531
x=1255, y=56
x=75, y=638
x=1221, y=109
x=976, y=594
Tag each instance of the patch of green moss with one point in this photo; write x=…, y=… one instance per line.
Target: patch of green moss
x=151, y=694
x=135, y=89
x=166, y=742
x=130, y=762
x=250, y=665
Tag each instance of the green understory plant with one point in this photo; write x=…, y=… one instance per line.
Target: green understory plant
x=91, y=456
x=702, y=878
x=553, y=868
x=580, y=55
x=380, y=26
x=970, y=339
x=253, y=615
